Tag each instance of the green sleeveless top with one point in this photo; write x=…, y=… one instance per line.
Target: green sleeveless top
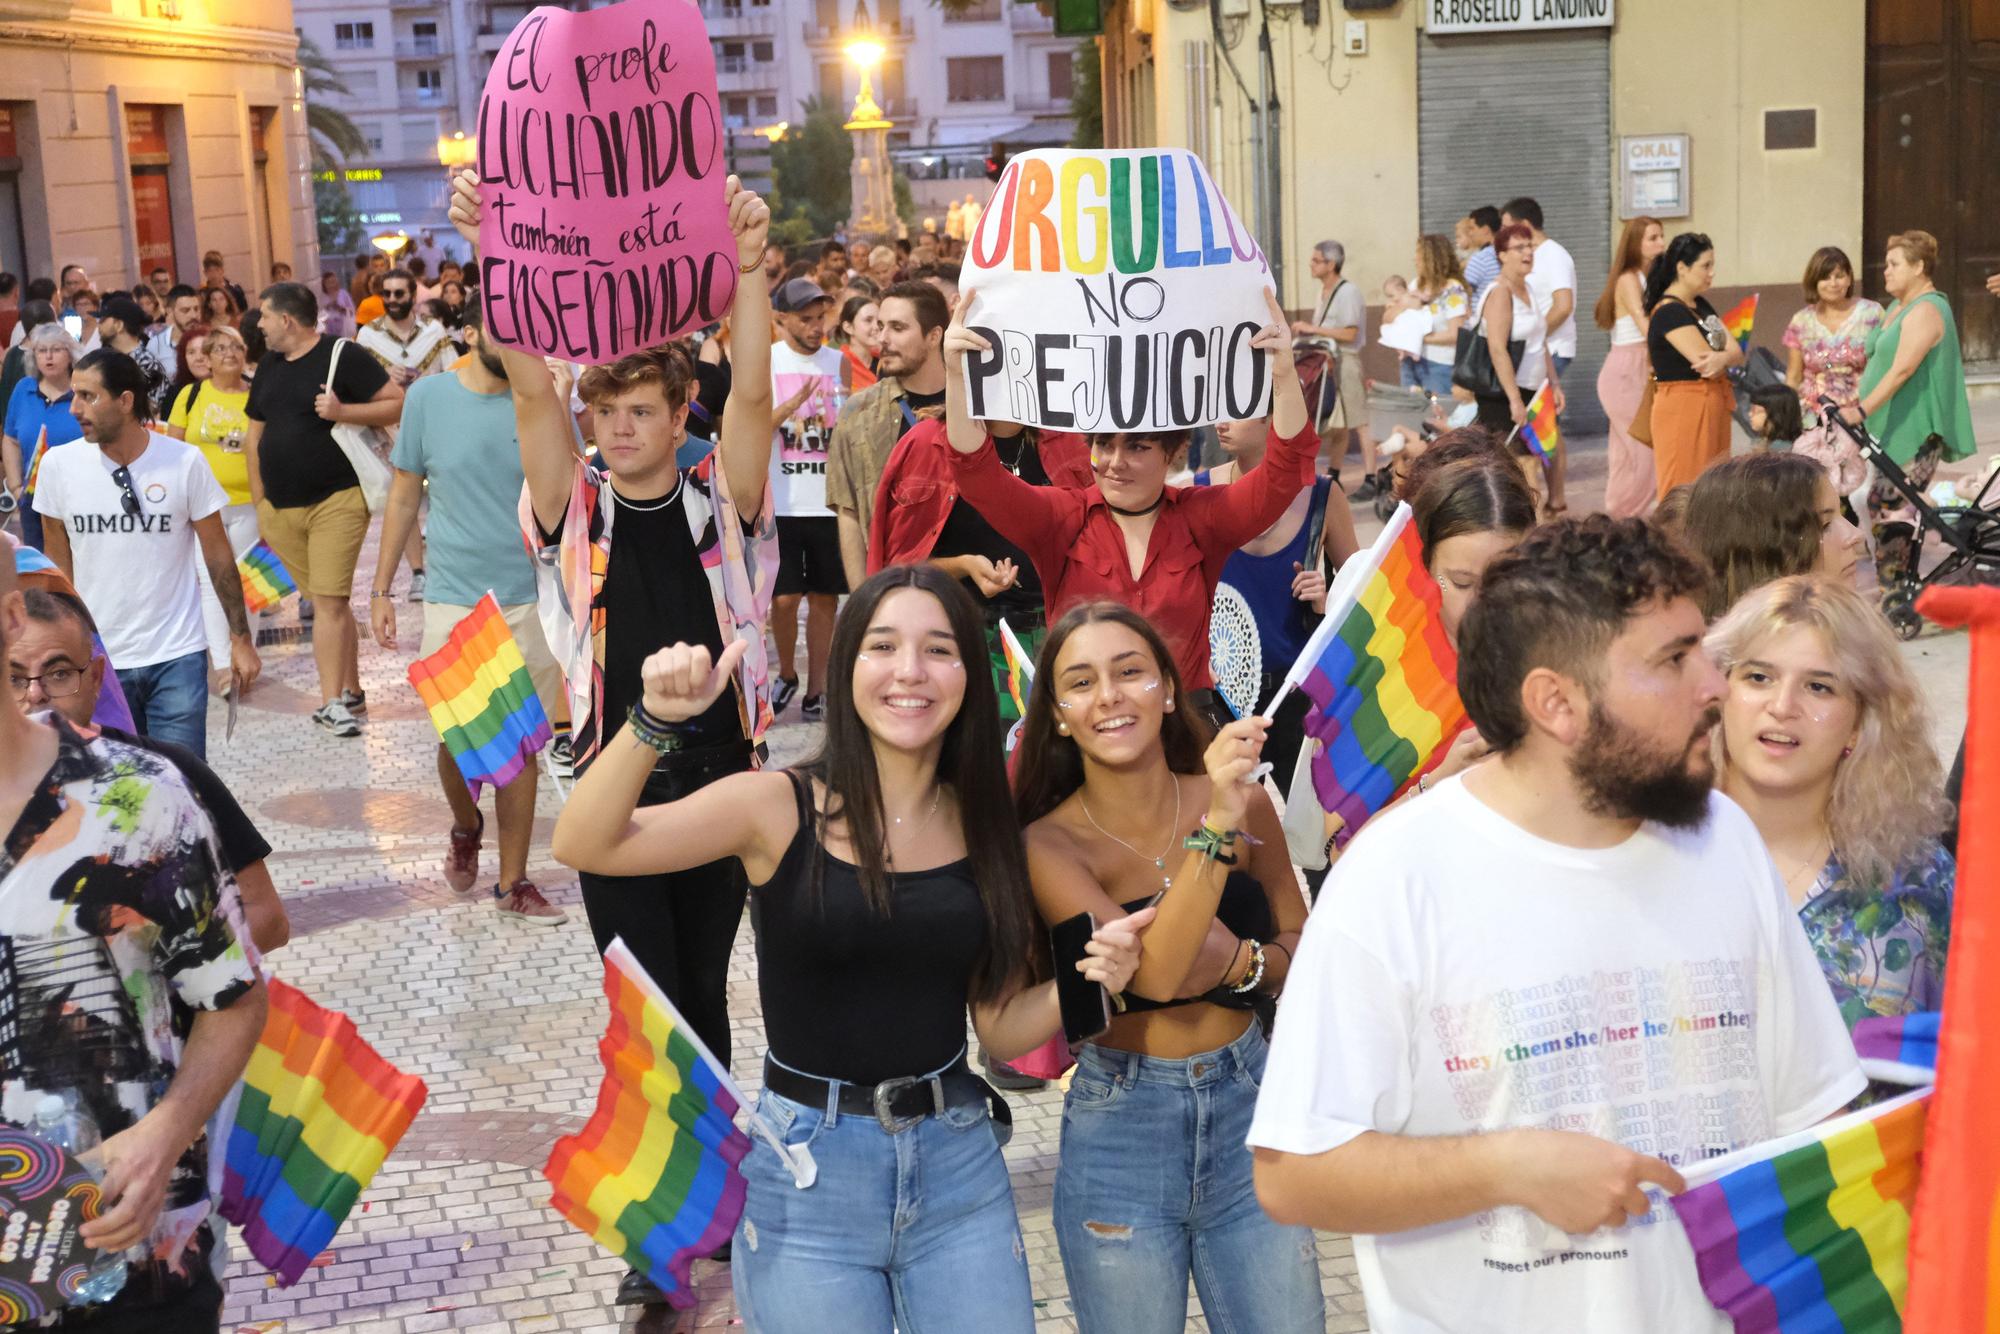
x=1931, y=402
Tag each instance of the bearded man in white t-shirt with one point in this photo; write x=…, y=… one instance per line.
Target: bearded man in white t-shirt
x=126, y=517
x=1546, y=986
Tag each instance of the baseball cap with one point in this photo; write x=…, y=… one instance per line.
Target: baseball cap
x=798, y=294
x=127, y=312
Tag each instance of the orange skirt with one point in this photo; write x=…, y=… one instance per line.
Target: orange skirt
x=1690, y=429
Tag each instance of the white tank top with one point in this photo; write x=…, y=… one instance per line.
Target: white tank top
x=1626, y=330
x=1530, y=330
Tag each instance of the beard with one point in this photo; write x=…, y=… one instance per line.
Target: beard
x=1626, y=776
x=491, y=361
x=397, y=310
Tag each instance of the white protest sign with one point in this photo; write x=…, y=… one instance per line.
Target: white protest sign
x=1120, y=292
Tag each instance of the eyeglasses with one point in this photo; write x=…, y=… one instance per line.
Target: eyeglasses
x=128, y=498
x=56, y=683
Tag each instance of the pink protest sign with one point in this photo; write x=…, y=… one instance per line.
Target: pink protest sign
x=603, y=229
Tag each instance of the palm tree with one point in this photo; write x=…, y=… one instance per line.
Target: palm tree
x=333, y=134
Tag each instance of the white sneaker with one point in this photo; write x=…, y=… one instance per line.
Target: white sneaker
x=355, y=701
x=336, y=719
x=416, y=593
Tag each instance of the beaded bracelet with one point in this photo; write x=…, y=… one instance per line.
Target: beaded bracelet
x=1255, y=977
x=652, y=731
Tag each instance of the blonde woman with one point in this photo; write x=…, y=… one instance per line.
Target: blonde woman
x=1825, y=741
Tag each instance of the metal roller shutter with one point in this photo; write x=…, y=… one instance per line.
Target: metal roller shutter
x=1526, y=114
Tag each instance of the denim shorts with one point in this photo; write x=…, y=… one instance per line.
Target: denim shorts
x=913, y=1232
x=1154, y=1187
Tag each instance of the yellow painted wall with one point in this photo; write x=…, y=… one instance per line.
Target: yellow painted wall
x=1710, y=69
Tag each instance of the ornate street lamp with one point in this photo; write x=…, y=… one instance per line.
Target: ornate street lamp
x=874, y=207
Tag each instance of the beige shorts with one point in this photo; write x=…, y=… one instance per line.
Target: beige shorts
x=320, y=543
x=1352, y=413
x=440, y=617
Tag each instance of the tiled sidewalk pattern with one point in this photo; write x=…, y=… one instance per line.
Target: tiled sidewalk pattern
x=502, y=1021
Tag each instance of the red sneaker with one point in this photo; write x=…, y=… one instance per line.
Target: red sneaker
x=461, y=864
x=525, y=903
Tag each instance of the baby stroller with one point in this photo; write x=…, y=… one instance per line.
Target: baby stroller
x=1969, y=535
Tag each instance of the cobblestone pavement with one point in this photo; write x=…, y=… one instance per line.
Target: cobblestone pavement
x=501, y=1020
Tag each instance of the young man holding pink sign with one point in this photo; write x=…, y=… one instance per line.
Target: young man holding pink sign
x=694, y=563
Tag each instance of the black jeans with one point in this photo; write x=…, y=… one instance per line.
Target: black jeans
x=679, y=924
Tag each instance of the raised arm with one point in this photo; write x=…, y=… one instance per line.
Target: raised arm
x=1041, y=520
x=541, y=414
x=743, y=444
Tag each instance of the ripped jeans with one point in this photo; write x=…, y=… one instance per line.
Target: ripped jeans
x=912, y=1232
x=1154, y=1184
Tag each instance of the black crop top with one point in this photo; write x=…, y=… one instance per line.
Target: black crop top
x=852, y=995
x=1244, y=910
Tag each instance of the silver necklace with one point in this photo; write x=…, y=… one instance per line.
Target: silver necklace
x=637, y=508
x=1173, y=832
x=896, y=821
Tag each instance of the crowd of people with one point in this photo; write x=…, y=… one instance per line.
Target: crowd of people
x=1695, y=764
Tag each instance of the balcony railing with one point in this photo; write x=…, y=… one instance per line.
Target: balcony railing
x=424, y=99
x=893, y=30
x=419, y=48
x=742, y=20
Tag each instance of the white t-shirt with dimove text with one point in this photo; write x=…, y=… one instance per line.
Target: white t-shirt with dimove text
x=136, y=573
x=1460, y=975
x=799, y=446
x=1554, y=272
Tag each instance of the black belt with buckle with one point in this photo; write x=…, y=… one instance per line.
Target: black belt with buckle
x=896, y=1103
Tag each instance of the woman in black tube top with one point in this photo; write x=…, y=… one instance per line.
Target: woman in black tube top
x=889, y=893
x=1123, y=809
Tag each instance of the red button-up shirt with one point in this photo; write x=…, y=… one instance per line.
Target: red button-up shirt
x=1079, y=549
x=919, y=487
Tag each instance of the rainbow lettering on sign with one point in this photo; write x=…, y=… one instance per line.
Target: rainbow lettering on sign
x=1123, y=214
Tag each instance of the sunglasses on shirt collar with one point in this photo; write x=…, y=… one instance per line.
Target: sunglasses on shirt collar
x=128, y=497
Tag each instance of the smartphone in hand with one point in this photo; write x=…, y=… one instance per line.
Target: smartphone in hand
x=1086, y=1005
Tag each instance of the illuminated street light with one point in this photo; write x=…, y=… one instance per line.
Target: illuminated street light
x=874, y=210
x=455, y=150
x=390, y=242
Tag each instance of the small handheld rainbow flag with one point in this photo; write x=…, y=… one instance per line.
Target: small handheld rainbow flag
x=1812, y=1232
x=482, y=700
x=1742, y=317
x=35, y=463
x=320, y=1111
x=1902, y=1049
x=1539, y=432
x=1020, y=668
x=654, y=1176
x=1382, y=676
x=266, y=581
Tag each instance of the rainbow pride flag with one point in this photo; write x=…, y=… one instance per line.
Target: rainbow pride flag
x=482, y=700
x=1902, y=1049
x=1742, y=317
x=35, y=463
x=319, y=1112
x=1812, y=1232
x=266, y=581
x=1955, y=1250
x=1382, y=677
x=655, y=1176
x=1539, y=432
x=1020, y=668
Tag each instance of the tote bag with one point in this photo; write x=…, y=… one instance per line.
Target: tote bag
x=362, y=445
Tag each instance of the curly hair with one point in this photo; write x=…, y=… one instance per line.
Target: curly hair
x=1888, y=794
x=1557, y=600
x=1753, y=519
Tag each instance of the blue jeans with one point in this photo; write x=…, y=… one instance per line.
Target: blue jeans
x=1435, y=376
x=1559, y=364
x=170, y=700
x=913, y=1232
x=1154, y=1184
x=31, y=523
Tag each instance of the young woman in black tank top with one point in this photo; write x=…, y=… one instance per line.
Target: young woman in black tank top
x=875, y=933
x=1122, y=808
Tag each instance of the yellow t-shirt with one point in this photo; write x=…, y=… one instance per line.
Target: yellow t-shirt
x=214, y=420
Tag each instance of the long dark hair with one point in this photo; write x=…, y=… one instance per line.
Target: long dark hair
x=1753, y=519
x=1685, y=248
x=1051, y=766
x=183, y=377
x=970, y=762
x=1783, y=422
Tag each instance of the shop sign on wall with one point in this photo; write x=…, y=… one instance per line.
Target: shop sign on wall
x=1446, y=17
x=1653, y=176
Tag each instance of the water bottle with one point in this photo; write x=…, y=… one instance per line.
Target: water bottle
x=74, y=1130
